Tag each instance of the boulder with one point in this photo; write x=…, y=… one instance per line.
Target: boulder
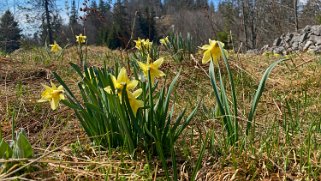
x=316, y=30
x=253, y=52
x=264, y=48
x=288, y=37
x=307, y=28
x=278, y=50
x=315, y=49
x=307, y=45
x=277, y=42
x=315, y=39
x=304, y=37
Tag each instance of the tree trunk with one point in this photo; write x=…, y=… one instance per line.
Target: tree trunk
x=49, y=30
x=295, y=4
x=252, y=17
x=244, y=23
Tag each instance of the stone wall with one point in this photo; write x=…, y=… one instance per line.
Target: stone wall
x=306, y=39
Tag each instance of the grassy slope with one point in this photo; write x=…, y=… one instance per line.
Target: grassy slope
x=285, y=143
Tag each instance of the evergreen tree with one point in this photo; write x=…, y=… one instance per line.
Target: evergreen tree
x=43, y=11
x=121, y=29
x=147, y=24
x=9, y=33
x=73, y=13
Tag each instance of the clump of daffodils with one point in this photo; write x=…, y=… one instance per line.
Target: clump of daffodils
x=119, y=84
x=212, y=51
x=81, y=39
x=153, y=67
x=143, y=44
x=53, y=95
x=164, y=41
x=55, y=47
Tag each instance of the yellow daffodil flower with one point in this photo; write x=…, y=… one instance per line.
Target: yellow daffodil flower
x=53, y=95
x=55, y=47
x=267, y=54
x=164, y=41
x=212, y=51
x=138, y=44
x=135, y=104
x=120, y=82
x=81, y=39
x=152, y=67
x=276, y=55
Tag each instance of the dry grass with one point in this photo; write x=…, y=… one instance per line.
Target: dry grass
x=63, y=152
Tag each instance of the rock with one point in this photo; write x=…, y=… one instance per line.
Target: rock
x=316, y=39
x=264, y=48
x=277, y=42
x=306, y=39
x=288, y=37
x=295, y=45
x=315, y=49
x=307, y=45
x=295, y=38
x=253, y=52
x=303, y=37
x=316, y=30
x=278, y=50
x=307, y=28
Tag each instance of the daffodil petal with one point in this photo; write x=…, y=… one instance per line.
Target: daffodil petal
x=205, y=47
x=137, y=93
x=143, y=66
x=132, y=84
x=122, y=76
x=206, y=57
x=108, y=89
x=157, y=73
x=135, y=105
x=158, y=62
x=54, y=103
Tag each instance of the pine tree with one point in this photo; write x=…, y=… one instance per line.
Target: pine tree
x=43, y=11
x=73, y=13
x=9, y=33
x=147, y=24
x=121, y=29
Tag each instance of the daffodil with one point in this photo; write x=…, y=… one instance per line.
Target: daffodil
x=55, y=47
x=138, y=44
x=81, y=39
x=135, y=104
x=276, y=55
x=153, y=67
x=120, y=82
x=164, y=41
x=212, y=51
x=53, y=95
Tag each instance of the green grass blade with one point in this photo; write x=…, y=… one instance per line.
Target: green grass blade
x=259, y=92
x=218, y=99
x=199, y=159
x=232, y=90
